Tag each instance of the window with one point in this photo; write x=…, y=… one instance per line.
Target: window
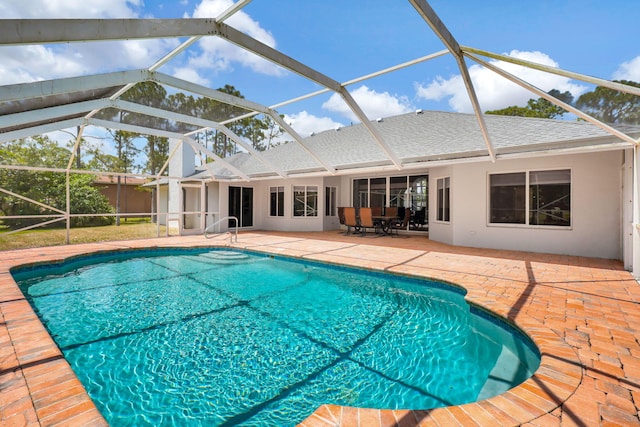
x=305, y=200
x=533, y=198
x=397, y=190
x=276, y=201
x=443, y=208
x=361, y=193
x=377, y=192
x=507, y=194
x=550, y=197
x=419, y=187
x=330, y=201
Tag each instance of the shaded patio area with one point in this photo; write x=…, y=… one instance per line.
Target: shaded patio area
x=581, y=312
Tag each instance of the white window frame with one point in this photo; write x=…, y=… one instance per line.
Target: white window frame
x=329, y=207
x=527, y=207
x=306, y=191
x=278, y=188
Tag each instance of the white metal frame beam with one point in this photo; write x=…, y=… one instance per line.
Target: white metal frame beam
x=49, y=113
x=238, y=102
x=438, y=27
x=40, y=129
x=62, y=86
x=126, y=80
x=633, y=90
x=553, y=99
x=21, y=31
x=233, y=9
x=366, y=77
x=267, y=52
x=205, y=124
x=166, y=134
x=197, y=147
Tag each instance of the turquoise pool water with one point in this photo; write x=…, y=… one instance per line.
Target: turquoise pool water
x=202, y=338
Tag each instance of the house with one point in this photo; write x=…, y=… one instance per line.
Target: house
x=555, y=186
x=133, y=197
x=550, y=186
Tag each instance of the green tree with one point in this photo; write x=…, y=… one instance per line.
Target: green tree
x=126, y=150
x=100, y=161
x=157, y=151
x=611, y=106
x=153, y=95
x=540, y=107
x=272, y=132
x=46, y=187
x=85, y=198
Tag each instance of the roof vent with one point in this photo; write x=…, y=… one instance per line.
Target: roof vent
x=338, y=128
x=312, y=133
x=379, y=120
x=419, y=111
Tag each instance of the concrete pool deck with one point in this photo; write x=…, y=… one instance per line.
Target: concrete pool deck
x=581, y=312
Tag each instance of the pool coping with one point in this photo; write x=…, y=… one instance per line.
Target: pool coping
x=39, y=387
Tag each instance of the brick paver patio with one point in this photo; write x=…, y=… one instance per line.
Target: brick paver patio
x=582, y=313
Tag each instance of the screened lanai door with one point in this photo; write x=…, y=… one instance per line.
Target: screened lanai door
x=193, y=201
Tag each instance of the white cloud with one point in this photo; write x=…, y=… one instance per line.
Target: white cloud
x=628, y=70
x=37, y=62
x=494, y=91
x=219, y=55
x=305, y=123
x=27, y=9
x=29, y=63
x=20, y=64
x=190, y=75
x=374, y=104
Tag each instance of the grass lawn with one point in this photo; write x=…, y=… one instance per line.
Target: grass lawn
x=37, y=237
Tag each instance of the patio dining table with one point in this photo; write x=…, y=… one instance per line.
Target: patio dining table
x=385, y=222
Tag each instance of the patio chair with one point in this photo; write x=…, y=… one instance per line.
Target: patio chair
x=341, y=216
x=401, y=225
x=351, y=220
x=419, y=218
x=391, y=211
x=366, y=220
x=376, y=212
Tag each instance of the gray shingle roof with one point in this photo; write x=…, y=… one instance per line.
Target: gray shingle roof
x=428, y=136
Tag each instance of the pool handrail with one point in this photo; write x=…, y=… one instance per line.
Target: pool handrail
x=208, y=232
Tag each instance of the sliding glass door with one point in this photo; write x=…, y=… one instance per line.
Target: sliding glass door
x=241, y=206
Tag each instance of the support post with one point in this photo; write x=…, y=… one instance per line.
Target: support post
x=67, y=239
x=635, y=256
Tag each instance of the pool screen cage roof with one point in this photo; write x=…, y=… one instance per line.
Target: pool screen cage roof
x=36, y=108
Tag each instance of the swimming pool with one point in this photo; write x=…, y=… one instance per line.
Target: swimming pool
x=209, y=337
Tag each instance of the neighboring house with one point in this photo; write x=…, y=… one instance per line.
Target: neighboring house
x=561, y=187
x=133, y=197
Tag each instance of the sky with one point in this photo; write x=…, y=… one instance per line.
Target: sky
x=349, y=39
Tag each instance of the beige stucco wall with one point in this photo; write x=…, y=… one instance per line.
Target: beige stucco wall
x=596, y=212
x=595, y=207
x=287, y=222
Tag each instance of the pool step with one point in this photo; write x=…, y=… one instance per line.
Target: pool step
x=507, y=372
x=225, y=256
